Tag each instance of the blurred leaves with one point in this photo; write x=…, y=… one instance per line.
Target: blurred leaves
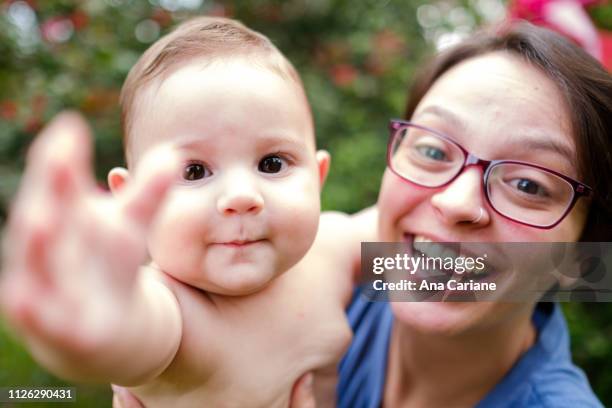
x=18, y=369
x=601, y=13
x=356, y=59
x=591, y=329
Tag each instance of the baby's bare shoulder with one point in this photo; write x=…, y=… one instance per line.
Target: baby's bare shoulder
x=230, y=340
x=203, y=330
x=336, y=253
x=337, y=229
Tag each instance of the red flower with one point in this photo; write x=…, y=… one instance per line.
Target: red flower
x=8, y=110
x=343, y=74
x=606, y=43
x=57, y=29
x=39, y=103
x=388, y=42
x=161, y=17
x=386, y=46
x=79, y=19
x=220, y=10
x=33, y=125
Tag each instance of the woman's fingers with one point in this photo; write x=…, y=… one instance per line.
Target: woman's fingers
x=302, y=395
x=122, y=398
x=145, y=193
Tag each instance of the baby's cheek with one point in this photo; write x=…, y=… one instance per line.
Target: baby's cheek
x=298, y=220
x=175, y=231
x=294, y=215
x=299, y=193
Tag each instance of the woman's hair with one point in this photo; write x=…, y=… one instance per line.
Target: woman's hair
x=584, y=83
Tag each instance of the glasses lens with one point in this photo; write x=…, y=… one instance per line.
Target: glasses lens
x=423, y=157
x=528, y=194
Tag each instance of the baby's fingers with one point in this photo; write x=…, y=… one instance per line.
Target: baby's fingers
x=57, y=171
x=52, y=181
x=33, y=227
x=26, y=274
x=155, y=174
x=66, y=140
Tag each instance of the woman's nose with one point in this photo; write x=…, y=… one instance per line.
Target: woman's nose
x=463, y=200
x=239, y=197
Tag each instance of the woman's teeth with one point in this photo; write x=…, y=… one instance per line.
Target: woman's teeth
x=423, y=245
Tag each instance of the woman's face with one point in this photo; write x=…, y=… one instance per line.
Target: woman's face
x=497, y=107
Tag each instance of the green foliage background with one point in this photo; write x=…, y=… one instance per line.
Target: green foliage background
x=356, y=59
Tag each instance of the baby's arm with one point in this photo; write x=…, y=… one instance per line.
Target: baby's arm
x=70, y=282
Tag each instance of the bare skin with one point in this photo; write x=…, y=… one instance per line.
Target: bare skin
x=302, y=395
x=84, y=248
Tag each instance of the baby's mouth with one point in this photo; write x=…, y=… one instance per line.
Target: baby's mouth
x=239, y=243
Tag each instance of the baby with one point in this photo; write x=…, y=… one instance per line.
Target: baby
x=216, y=318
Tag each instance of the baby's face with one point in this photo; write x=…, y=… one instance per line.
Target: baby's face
x=247, y=206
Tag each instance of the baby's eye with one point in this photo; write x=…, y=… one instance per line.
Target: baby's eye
x=196, y=171
x=271, y=164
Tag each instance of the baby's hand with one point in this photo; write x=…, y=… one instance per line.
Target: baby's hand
x=71, y=251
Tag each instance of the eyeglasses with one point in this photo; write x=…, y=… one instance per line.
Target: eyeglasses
x=526, y=193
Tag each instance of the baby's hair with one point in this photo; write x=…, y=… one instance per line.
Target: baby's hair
x=208, y=39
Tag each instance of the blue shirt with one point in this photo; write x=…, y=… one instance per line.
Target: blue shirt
x=543, y=377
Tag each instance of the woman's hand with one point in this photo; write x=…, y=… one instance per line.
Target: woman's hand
x=302, y=395
x=123, y=398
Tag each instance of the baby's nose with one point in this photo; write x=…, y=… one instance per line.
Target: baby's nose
x=240, y=200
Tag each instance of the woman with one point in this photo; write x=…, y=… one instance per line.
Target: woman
x=525, y=95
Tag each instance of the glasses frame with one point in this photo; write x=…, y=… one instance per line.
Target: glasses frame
x=579, y=189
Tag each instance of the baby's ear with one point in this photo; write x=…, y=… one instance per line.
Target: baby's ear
x=323, y=162
x=116, y=179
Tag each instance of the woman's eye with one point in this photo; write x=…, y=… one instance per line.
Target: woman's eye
x=432, y=152
x=529, y=187
x=271, y=164
x=196, y=171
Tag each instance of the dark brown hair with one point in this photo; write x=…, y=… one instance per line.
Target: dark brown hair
x=585, y=84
